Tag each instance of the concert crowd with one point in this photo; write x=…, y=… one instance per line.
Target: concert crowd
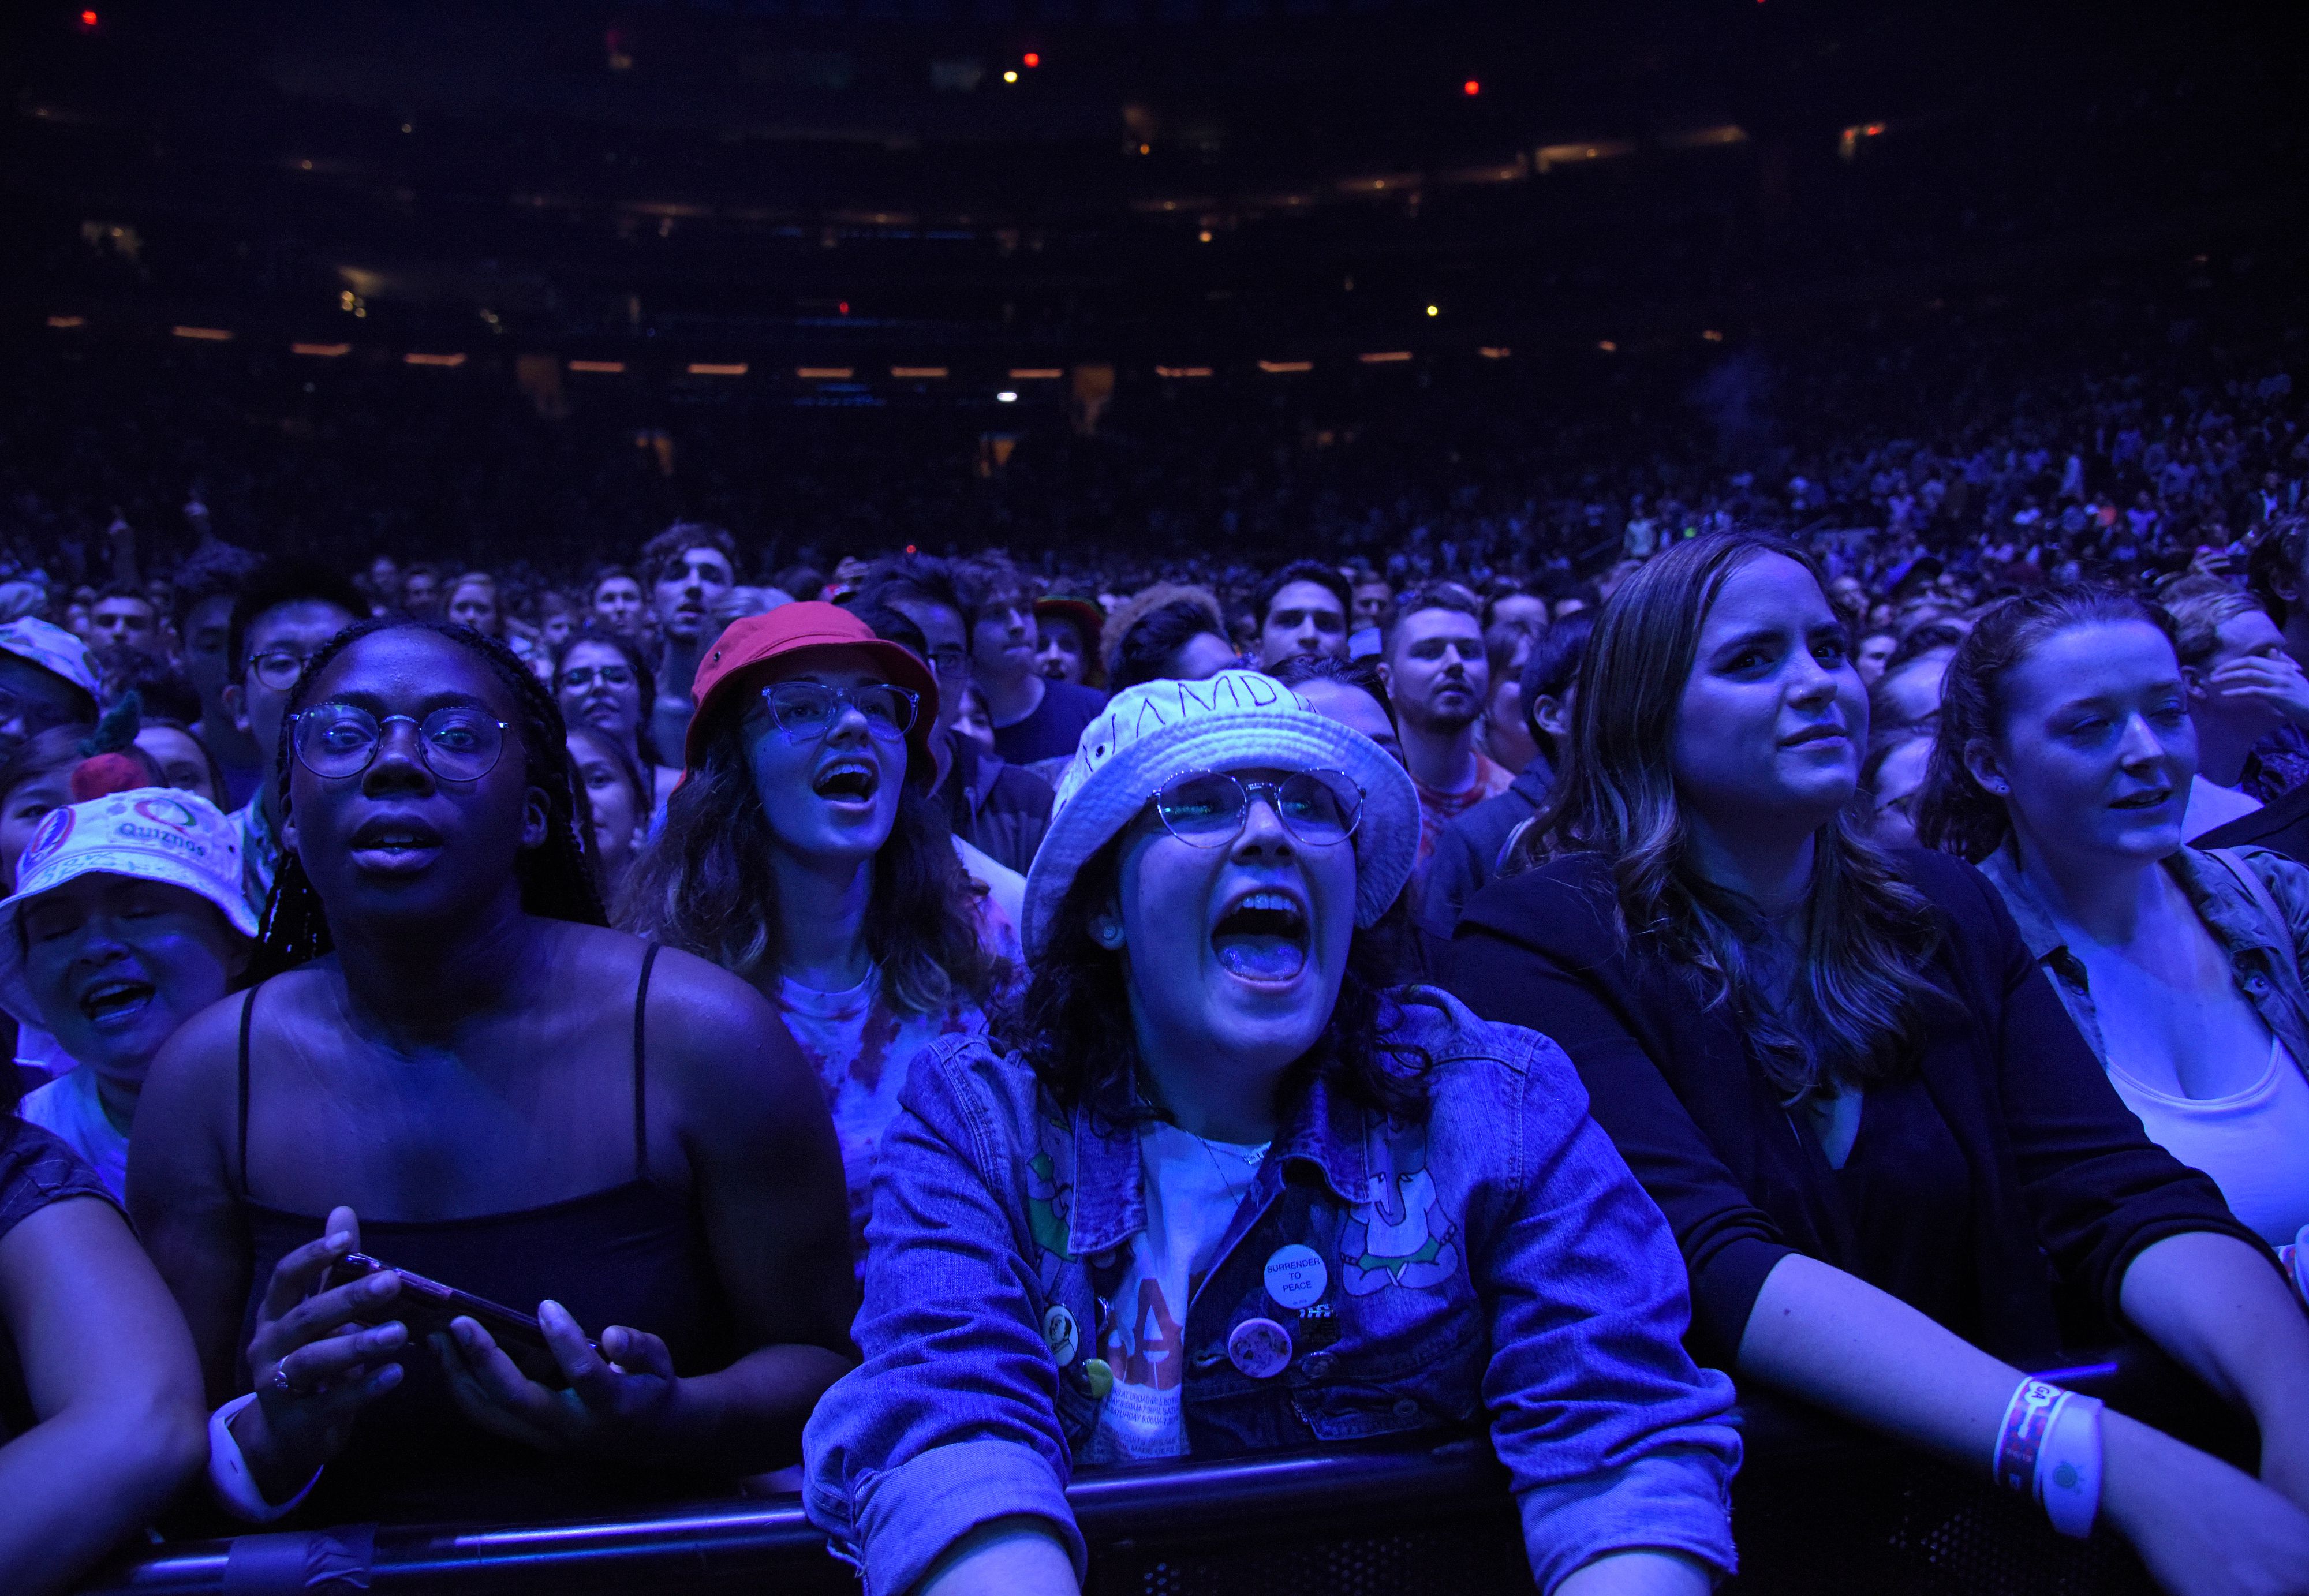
x=1543, y=961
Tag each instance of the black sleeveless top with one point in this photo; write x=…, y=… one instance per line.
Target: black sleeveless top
x=633, y=1254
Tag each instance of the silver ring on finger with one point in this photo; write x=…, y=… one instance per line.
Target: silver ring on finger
x=280, y=1381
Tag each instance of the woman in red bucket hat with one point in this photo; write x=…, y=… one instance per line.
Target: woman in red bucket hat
x=801, y=851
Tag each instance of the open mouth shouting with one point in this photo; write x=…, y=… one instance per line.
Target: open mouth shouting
x=1262, y=935
x=115, y=1002
x=848, y=783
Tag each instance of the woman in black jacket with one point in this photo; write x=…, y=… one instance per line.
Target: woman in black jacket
x=1868, y=1121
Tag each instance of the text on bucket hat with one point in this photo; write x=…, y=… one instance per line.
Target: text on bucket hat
x=1238, y=720
x=151, y=834
x=731, y=666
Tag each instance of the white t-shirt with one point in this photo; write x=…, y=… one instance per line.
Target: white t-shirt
x=2254, y=1143
x=1193, y=1189
x=69, y=1107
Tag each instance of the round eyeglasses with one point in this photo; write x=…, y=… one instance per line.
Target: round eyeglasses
x=807, y=710
x=1207, y=808
x=457, y=744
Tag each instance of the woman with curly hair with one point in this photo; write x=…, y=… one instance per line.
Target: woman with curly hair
x=1878, y=1137
x=450, y=1066
x=803, y=853
x=1220, y=1188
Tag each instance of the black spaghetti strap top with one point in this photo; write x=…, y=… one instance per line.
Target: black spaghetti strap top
x=633, y=1254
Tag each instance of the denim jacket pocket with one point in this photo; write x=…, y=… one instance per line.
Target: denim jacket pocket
x=1349, y=1389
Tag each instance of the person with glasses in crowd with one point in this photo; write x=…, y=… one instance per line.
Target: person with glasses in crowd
x=451, y=1065
x=992, y=804
x=285, y=612
x=1220, y=1187
x=803, y=853
x=602, y=679
x=1897, y=1174
x=47, y=680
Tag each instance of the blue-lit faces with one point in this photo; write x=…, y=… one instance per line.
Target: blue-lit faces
x=829, y=781
x=1773, y=720
x=2097, y=748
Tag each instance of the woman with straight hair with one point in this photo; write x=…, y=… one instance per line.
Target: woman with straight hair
x=451, y=1066
x=1876, y=1134
x=2063, y=769
x=803, y=854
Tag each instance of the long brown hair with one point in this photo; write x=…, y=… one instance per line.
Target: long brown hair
x=1855, y=1013
x=705, y=883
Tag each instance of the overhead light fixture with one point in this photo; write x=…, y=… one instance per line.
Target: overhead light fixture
x=1434, y=310
x=1182, y=371
x=67, y=320
x=1032, y=58
x=321, y=351
x=1010, y=77
x=417, y=359
x=203, y=335
x=601, y=367
x=821, y=373
x=1494, y=351
x=918, y=373
x=1036, y=374
x=1470, y=88
x=1283, y=367
x=1385, y=357
x=1007, y=396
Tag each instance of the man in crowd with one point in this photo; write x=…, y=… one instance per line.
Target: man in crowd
x=420, y=592
x=689, y=567
x=46, y=679
x=284, y=616
x=1437, y=679
x=990, y=804
x=1301, y=609
x=1374, y=613
x=123, y=617
x=205, y=589
x=1035, y=717
x=617, y=599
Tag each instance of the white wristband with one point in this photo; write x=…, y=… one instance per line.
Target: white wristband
x=229, y=1474
x=2068, y=1468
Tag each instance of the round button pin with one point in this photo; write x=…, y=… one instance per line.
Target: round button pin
x=1059, y=1331
x=1259, y=1348
x=1296, y=1276
x=1098, y=1378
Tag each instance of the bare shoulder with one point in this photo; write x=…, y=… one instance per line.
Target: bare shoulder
x=706, y=1030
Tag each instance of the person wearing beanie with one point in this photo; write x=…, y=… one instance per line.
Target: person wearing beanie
x=127, y=921
x=1221, y=1188
x=803, y=852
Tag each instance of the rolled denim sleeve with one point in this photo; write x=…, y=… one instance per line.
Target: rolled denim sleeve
x=950, y=1421
x=1615, y=1440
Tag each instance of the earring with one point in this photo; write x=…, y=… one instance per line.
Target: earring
x=1109, y=934
x=2003, y=789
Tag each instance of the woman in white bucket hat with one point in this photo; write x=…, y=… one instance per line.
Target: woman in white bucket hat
x=127, y=920
x=1216, y=1188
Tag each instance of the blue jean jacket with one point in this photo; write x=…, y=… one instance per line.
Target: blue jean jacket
x=1497, y=1264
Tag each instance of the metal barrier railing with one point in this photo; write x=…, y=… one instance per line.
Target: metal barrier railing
x=1817, y=1507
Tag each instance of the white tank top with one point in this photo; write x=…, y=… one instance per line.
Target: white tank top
x=2254, y=1143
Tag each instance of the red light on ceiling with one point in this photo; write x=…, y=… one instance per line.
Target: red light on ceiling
x=1030, y=59
x=844, y=306
x=1470, y=88
x=88, y=19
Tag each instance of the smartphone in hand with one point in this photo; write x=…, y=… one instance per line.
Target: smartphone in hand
x=427, y=1306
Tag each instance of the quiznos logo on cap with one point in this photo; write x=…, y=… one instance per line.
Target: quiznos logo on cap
x=45, y=841
x=170, y=813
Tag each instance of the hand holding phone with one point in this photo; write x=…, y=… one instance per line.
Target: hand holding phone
x=614, y=1398
x=428, y=1308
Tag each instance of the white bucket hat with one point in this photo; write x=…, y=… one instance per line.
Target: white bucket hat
x=1238, y=720
x=153, y=833
x=51, y=648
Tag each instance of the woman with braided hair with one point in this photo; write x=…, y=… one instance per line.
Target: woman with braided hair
x=451, y=1064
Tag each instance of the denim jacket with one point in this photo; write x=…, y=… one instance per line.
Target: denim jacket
x=2265, y=960
x=1497, y=1264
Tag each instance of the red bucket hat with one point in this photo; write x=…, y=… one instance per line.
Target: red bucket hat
x=733, y=664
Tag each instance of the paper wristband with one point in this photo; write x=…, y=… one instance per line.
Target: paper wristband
x=229, y=1474
x=2069, y=1465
